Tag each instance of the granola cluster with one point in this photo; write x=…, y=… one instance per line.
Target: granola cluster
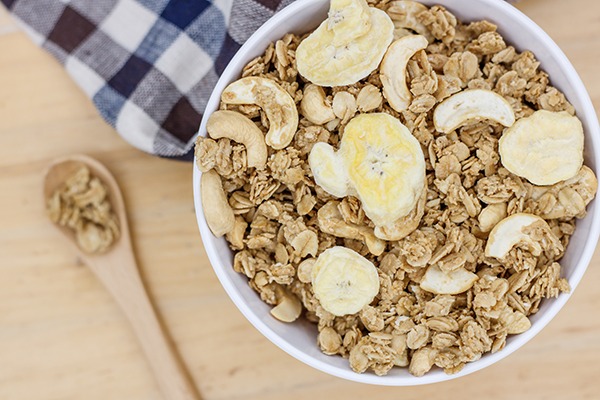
x=82, y=204
x=283, y=220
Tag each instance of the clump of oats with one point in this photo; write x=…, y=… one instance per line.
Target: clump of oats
x=284, y=220
x=82, y=205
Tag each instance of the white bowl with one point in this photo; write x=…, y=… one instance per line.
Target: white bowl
x=299, y=338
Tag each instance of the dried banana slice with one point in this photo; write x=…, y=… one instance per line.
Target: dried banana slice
x=516, y=230
x=455, y=282
x=468, y=105
x=404, y=226
x=314, y=105
x=288, y=309
x=393, y=70
x=328, y=169
x=544, y=148
x=344, y=281
x=348, y=20
x=346, y=47
x=379, y=161
x=274, y=100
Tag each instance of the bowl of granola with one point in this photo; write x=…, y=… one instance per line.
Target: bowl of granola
x=398, y=193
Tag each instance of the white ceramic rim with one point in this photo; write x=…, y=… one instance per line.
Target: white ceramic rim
x=517, y=341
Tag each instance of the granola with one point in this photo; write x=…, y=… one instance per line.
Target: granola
x=82, y=205
x=284, y=220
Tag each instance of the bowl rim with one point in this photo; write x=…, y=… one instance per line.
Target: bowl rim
x=518, y=341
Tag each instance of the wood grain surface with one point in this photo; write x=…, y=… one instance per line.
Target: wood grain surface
x=63, y=337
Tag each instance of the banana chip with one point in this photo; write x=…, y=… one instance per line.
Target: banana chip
x=347, y=46
x=472, y=105
x=544, y=148
x=379, y=161
x=348, y=20
x=344, y=281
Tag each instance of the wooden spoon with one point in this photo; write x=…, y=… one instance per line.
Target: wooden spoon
x=117, y=269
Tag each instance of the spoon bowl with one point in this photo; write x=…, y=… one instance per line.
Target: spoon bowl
x=63, y=168
x=118, y=271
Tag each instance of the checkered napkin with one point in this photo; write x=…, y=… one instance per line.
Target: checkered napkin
x=148, y=65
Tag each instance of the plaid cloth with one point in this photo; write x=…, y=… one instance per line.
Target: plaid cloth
x=148, y=65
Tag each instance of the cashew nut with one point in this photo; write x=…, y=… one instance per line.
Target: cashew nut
x=491, y=215
x=438, y=282
x=393, y=70
x=476, y=104
x=273, y=99
x=237, y=127
x=515, y=321
x=217, y=211
x=314, y=106
x=236, y=235
x=404, y=15
x=344, y=106
x=288, y=309
x=331, y=222
x=304, y=270
x=516, y=230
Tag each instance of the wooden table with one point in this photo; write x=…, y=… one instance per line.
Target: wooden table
x=61, y=335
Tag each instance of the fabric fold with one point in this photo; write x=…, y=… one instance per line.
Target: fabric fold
x=149, y=66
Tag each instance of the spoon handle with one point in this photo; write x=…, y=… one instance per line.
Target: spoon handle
x=119, y=273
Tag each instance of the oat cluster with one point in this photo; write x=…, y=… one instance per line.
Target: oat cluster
x=283, y=220
x=82, y=204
